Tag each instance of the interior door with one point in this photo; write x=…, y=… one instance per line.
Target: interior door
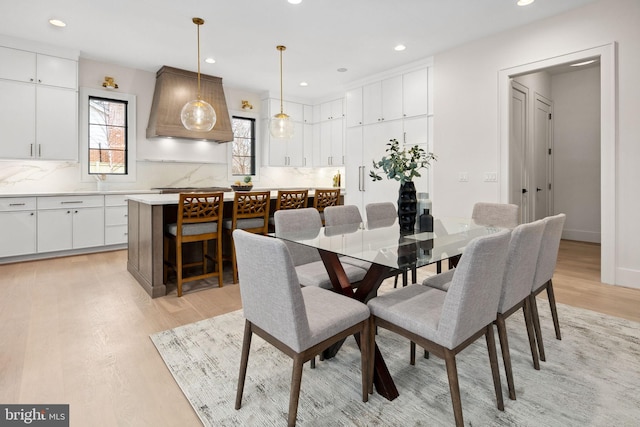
x=518, y=189
x=542, y=155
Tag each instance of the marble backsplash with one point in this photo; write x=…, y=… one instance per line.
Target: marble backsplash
x=19, y=177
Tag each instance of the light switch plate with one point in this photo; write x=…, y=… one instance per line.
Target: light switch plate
x=463, y=177
x=490, y=177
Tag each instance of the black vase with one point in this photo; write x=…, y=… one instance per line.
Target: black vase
x=407, y=207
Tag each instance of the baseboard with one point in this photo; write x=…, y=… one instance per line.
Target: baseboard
x=581, y=235
x=628, y=277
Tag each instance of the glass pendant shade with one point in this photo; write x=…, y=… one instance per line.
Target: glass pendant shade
x=198, y=115
x=281, y=126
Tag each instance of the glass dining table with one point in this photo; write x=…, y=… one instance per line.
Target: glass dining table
x=388, y=250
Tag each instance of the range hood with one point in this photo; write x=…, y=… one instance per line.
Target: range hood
x=174, y=88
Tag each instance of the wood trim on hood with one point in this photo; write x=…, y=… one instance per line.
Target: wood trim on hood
x=174, y=88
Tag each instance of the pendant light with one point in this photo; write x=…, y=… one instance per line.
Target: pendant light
x=281, y=126
x=198, y=115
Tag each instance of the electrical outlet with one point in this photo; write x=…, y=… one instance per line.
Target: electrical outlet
x=490, y=177
x=463, y=177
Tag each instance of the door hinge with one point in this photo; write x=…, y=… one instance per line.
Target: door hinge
x=549, y=116
x=549, y=151
x=549, y=186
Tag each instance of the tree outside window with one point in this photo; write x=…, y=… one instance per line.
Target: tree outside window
x=107, y=136
x=243, y=155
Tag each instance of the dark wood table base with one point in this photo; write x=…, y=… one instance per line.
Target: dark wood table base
x=366, y=290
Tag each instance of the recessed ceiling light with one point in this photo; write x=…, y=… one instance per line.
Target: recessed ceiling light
x=294, y=1
x=57, y=23
x=210, y=61
x=580, y=64
x=304, y=84
x=400, y=47
x=525, y=2
x=342, y=70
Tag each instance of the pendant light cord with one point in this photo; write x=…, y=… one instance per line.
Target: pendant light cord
x=281, y=48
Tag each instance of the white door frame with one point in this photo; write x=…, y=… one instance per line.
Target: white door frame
x=608, y=140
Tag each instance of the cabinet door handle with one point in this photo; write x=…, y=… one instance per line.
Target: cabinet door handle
x=30, y=150
x=39, y=150
x=71, y=202
x=17, y=204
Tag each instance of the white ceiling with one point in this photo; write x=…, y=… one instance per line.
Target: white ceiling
x=321, y=35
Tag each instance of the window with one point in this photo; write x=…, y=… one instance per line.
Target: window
x=243, y=155
x=107, y=136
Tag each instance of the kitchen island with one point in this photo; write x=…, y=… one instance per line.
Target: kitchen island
x=148, y=215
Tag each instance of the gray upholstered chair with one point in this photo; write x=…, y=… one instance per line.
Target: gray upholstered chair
x=516, y=284
x=493, y=214
x=547, y=260
x=384, y=214
x=496, y=214
x=445, y=323
x=309, y=266
x=343, y=219
x=300, y=322
x=381, y=214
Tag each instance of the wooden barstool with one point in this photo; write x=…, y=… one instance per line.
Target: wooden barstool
x=325, y=197
x=250, y=213
x=289, y=199
x=199, y=220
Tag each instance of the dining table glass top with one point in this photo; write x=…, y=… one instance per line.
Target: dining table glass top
x=383, y=243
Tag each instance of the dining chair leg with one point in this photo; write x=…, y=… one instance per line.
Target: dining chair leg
x=165, y=256
x=554, y=311
x=528, y=321
x=234, y=263
x=219, y=260
x=372, y=352
x=296, y=380
x=536, y=326
x=205, y=254
x=364, y=356
x=244, y=360
x=495, y=371
x=506, y=356
x=179, y=267
x=454, y=386
x=412, y=353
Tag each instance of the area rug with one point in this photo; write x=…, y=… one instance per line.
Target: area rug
x=591, y=378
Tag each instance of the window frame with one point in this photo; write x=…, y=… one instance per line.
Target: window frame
x=257, y=136
x=87, y=93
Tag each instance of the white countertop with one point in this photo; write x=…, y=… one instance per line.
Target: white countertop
x=77, y=193
x=172, y=199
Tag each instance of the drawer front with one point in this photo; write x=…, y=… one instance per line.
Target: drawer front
x=115, y=215
x=61, y=202
x=17, y=203
x=115, y=235
x=115, y=200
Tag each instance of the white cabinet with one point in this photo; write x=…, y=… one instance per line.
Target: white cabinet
x=330, y=136
x=331, y=143
x=365, y=145
x=287, y=152
x=38, y=106
x=415, y=93
x=17, y=226
x=70, y=222
x=382, y=100
x=353, y=101
x=115, y=219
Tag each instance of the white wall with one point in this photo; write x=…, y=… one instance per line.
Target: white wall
x=576, y=130
x=467, y=102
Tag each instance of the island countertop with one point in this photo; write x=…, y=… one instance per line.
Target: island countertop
x=173, y=198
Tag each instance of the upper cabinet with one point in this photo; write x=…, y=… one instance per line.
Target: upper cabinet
x=401, y=96
x=295, y=151
x=415, y=93
x=382, y=100
x=353, y=102
x=38, y=106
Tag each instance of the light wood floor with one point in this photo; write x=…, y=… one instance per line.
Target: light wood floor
x=76, y=330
